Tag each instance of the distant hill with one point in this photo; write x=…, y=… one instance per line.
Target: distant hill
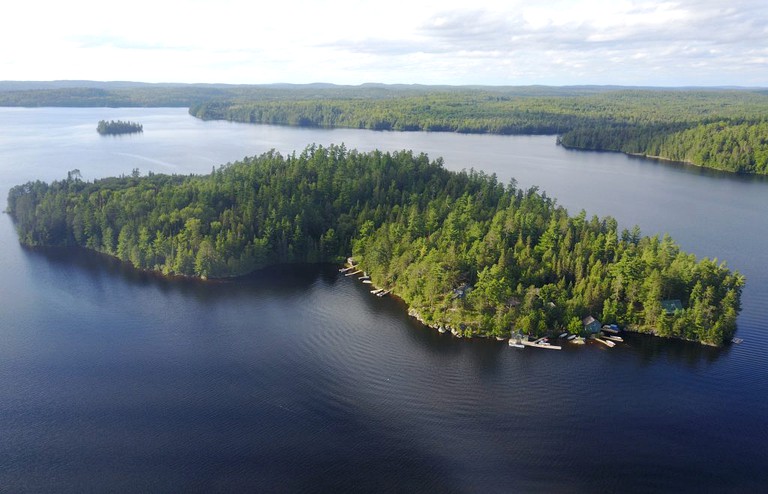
x=720, y=128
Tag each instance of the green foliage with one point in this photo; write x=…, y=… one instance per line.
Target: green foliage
x=460, y=248
x=118, y=127
x=721, y=129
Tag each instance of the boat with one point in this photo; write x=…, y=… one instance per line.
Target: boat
x=515, y=344
x=500, y=338
x=563, y=335
x=367, y=282
x=607, y=343
x=614, y=338
x=737, y=340
x=612, y=328
x=441, y=329
x=571, y=337
x=578, y=340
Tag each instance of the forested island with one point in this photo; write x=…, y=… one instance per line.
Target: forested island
x=115, y=127
x=461, y=249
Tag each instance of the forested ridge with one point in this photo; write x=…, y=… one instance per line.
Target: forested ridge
x=723, y=129
x=461, y=249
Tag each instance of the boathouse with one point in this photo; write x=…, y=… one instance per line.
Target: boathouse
x=591, y=325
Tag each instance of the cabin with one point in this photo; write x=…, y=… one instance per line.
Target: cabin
x=671, y=306
x=462, y=291
x=591, y=325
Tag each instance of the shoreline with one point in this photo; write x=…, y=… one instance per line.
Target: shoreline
x=411, y=311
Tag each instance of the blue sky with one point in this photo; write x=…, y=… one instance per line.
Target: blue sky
x=655, y=43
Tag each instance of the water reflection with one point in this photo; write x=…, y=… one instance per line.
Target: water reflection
x=650, y=349
x=296, y=377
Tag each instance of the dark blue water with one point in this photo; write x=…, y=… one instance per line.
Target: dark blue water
x=297, y=379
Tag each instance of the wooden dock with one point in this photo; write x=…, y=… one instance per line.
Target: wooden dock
x=377, y=291
x=354, y=272
x=383, y=292
x=539, y=345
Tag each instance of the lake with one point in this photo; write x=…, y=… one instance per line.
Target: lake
x=297, y=379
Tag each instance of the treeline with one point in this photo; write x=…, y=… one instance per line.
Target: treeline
x=721, y=129
x=460, y=248
x=118, y=127
x=117, y=97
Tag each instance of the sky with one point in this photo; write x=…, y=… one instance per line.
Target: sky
x=488, y=42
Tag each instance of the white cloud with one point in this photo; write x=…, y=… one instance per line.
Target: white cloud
x=683, y=42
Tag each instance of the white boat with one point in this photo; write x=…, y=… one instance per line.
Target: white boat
x=563, y=335
x=514, y=344
x=441, y=329
x=607, y=343
x=571, y=337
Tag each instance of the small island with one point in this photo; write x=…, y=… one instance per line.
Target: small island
x=115, y=127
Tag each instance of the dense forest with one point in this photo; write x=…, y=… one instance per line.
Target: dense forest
x=720, y=129
x=714, y=128
x=461, y=249
x=114, y=127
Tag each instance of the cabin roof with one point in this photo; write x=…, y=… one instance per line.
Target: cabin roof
x=672, y=305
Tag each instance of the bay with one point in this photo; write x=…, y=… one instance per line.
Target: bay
x=296, y=379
